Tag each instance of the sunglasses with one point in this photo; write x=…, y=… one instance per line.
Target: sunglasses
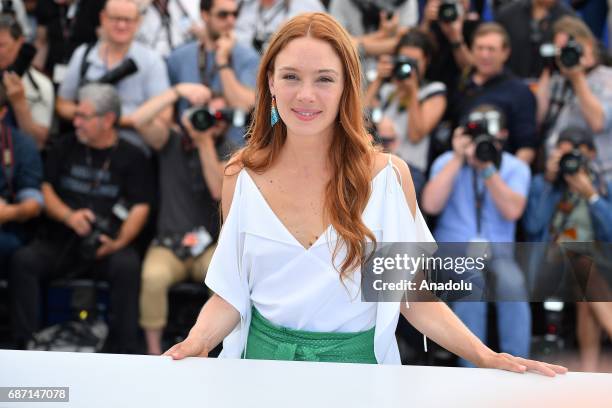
x=223, y=14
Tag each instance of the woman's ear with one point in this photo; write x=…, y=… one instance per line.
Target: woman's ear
x=271, y=82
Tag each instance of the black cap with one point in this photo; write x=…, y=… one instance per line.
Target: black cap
x=577, y=136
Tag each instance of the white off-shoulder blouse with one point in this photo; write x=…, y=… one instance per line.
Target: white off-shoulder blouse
x=258, y=262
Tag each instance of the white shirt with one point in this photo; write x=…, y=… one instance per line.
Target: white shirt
x=255, y=21
x=258, y=262
x=40, y=97
x=183, y=15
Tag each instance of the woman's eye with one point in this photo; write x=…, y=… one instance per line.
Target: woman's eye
x=326, y=79
x=289, y=76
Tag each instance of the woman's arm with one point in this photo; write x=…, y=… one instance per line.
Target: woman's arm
x=424, y=116
x=438, y=322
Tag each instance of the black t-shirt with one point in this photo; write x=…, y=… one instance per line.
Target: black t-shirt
x=186, y=202
x=97, y=179
x=443, y=67
x=65, y=35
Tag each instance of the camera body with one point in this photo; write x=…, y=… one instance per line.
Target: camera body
x=404, y=67
x=570, y=163
x=569, y=55
x=449, y=11
x=202, y=118
x=90, y=244
x=483, y=129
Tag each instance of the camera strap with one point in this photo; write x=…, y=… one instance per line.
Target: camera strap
x=8, y=162
x=559, y=95
x=478, y=199
x=85, y=64
x=98, y=173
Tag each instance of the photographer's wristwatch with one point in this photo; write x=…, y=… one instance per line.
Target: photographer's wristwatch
x=488, y=171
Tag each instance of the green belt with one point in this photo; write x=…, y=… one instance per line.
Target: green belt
x=268, y=341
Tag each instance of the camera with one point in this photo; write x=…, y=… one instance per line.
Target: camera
x=571, y=162
x=202, y=118
x=571, y=53
x=91, y=243
x=403, y=67
x=484, y=127
x=449, y=11
x=123, y=70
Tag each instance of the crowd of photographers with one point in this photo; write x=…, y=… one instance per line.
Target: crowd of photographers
x=119, y=115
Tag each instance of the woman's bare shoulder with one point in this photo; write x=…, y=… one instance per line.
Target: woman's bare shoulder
x=402, y=171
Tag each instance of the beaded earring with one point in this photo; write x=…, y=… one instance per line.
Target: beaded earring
x=274, y=116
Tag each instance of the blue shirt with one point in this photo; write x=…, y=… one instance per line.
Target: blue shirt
x=184, y=66
x=457, y=222
x=26, y=171
x=150, y=80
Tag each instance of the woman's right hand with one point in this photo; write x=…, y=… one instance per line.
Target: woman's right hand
x=192, y=346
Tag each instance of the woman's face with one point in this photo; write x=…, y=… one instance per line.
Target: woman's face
x=308, y=81
x=416, y=54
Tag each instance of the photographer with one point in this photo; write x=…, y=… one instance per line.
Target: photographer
x=227, y=66
x=20, y=196
x=571, y=203
x=29, y=92
x=139, y=72
x=490, y=83
x=578, y=92
x=525, y=60
x=97, y=192
x=191, y=166
x=480, y=192
x=452, y=25
x=401, y=93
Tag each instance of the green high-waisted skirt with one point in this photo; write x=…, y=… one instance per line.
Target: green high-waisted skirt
x=268, y=341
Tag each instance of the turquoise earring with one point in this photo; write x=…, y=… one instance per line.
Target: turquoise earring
x=274, y=116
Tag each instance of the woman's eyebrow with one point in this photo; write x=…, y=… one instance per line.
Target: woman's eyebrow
x=320, y=71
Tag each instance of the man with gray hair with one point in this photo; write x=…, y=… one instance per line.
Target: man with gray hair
x=97, y=191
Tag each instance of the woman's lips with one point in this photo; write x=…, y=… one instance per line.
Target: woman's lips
x=306, y=115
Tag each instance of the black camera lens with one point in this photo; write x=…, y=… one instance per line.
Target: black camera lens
x=570, y=54
x=200, y=118
x=403, y=67
x=485, y=149
x=448, y=12
x=571, y=162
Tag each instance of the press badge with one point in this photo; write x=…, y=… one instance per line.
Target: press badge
x=197, y=241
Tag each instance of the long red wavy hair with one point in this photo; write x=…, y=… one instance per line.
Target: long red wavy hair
x=351, y=151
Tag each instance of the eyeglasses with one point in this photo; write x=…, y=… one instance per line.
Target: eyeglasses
x=122, y=19
x=85, y=116
x=223, y=14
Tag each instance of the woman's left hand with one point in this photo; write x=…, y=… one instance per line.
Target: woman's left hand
x=505, y=361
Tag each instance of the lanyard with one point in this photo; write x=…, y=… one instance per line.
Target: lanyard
x=98, y=173
x=7, y=159
x=478, y=198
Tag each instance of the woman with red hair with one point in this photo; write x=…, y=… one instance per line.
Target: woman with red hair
x=300, y=201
